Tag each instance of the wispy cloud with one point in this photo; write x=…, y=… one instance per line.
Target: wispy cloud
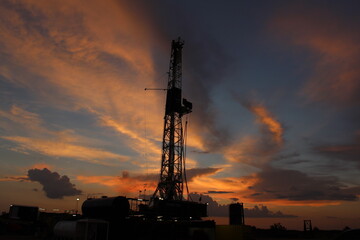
x=133, y=182
x=55, y=148
x=124, y=184
x=258, y=150
x=335, y=46
x=346, y=152
x=270, y=125
x=17, y=118
x=74, y=58
x=41, y=139
x=273, y=184
x=14, y=179
x=69, y=66
x=137, y=142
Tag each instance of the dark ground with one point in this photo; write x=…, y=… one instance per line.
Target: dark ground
x=42, y=230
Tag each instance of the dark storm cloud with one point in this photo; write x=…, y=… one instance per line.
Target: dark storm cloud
x=297, y=161
x=329, y=33
x=54, y=185
x=20, y=179
x=200, y=152
x=153, y=177
x=290, y=159
x=218, y=192
x=197, y=172
x=286, y=156
x=201, y=77
x=216, y=209
x=346, y=152
x=294, y=185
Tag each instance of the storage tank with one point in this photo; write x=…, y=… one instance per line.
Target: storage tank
x=107, y=208
x=236, y=214
x=83, y=229
x=65, y=230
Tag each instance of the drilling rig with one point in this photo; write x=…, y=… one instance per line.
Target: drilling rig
x=171, y=184
x=168, y=199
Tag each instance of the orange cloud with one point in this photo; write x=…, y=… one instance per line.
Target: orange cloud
x=272, y=125
x=23, y=116
x=40, y=166
x=258, y=150
x=221, y=189
x=14, y=179
x=90, y=64
x=139, y=143
x=248, y=150
x=52, y=143
x=109, y=181
x=123, y=185
x=336, y=47
x=224, y=184
x=100, y=63
x=63, y=149
x=132, y=183
x=18, y=118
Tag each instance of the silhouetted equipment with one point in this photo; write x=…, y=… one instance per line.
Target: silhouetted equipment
x=82, y=229
x=236, y=214
x=22, y=220
x=26, y=213
x=168, y=199
x=107, y=208
x=136, y=204
x=179, y=209
x=171, y=183
x=307, y=226
x=349, y=234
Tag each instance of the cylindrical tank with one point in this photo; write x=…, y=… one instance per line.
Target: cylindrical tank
x=112, y=208
x=236, y=214
x=65, y=230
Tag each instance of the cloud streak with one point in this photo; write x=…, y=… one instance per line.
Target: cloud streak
x=345, y=152
x=55, y=148
x=133, y=182
x=270, y=125
x=273, y=184
x=71, y=68
x=50, y=142
x=67, y=65
x=258, y=150
x=335, y=45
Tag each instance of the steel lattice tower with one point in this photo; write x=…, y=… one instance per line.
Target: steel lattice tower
x=170, y=186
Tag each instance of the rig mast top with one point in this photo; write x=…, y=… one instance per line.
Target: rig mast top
x=171, y=183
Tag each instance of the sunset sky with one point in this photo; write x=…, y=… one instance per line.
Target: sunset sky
x=275, y=87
